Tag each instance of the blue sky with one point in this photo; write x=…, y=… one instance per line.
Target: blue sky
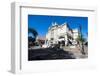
x=41, y=23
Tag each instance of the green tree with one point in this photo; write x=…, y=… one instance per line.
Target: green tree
x=80, y=39
x=33, y=31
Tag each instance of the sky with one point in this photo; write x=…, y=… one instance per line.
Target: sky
x=41, y=23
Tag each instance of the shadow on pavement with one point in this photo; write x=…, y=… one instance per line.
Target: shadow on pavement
x=48, y=54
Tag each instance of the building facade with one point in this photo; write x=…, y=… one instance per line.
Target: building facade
x=61, y=34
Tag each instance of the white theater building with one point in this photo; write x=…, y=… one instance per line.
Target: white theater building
x=58, y=33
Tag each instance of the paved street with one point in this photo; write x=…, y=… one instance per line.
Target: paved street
x=77, y=52
x=54, y=53
x=49, y=54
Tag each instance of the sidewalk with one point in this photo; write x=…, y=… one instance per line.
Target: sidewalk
x=76, y=52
